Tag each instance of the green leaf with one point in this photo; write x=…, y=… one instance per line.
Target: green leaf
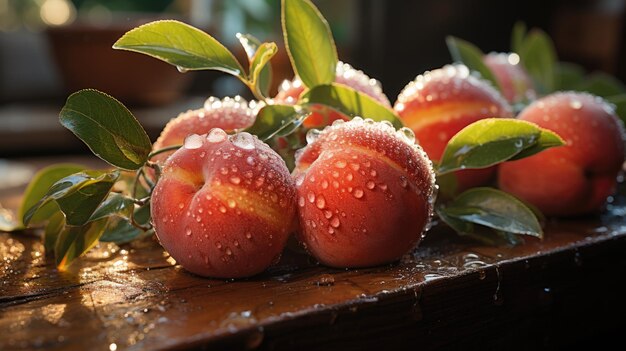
x=251, y=45
x=115, y=204
x=601, y=84
x=448, y=185
x=258, y=64
x=460, y=226
x=120, y=231
x=54, y=227
x=494, y=209
x=517, y=36
x=569, y=76
x=620, y=105
x=309, y=42
x=547, y=139
x=538, y=56
x=73, y=241
x=76, y=195
x=471, y=56
x=487, y=142
x=181, y=45
x=107, y=127
x=272, y=119
x=39, y=185
x=79, y=205
x=350, y=102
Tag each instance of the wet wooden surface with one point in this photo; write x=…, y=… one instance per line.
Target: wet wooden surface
x=565, y=291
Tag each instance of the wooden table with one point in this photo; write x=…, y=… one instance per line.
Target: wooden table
x=565, y=291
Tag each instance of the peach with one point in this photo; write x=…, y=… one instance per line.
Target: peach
x=365, y=193
x=439, y=103
x=576, y=178
x=228, y=114
x=224, y=205
x=289, y=92
x=515, y=82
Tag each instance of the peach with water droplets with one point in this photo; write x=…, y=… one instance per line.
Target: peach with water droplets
x=224, y=205
x=513, y=79
x=228, y=114
x=365, y=193
x=575, y=178
x=289, y=92
x=439, y=103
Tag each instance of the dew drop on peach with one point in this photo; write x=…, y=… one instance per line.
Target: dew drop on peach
x=216, y=135
x=192, y=142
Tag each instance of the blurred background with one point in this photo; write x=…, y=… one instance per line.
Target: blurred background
x=50, y=48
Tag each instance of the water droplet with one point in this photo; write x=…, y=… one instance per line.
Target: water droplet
x=193, y=141
x=341, y=164
x=349, y=176
x=216, y=135
x=300, y=179
x=301, y=201
x=370, y=185
x=334, y=222
x=324, y=184
x=248, y=235
x=243, y=140
x=231, y=203
x=228, y=251
x=312, y=135
x=355, y=166
x=188, y=231
x=358, y=193
x=373, y=173
x=311, y=197
x=182, y=69
x=320, y=202
x=250, y=161
x=235, y=180
x=218, y=245
x=407, y=133
x=328, y=214
x=575, y=104
x=222, y=209
x=326, y=280
x=181, y=205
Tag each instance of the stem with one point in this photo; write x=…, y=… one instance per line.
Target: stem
x=140, y=202
x=165, y=149
x=156, y=167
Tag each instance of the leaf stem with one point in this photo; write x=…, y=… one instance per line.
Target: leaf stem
x=165, y=149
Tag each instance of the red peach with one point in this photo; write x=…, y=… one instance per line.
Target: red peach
x=365, y=193
x=289, y=92
x=576, y=178
x=228, y=114
x=224, y=205
x=439, y=103
x=511, y=76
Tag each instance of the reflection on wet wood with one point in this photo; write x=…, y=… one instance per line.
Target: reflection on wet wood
x=449, y=293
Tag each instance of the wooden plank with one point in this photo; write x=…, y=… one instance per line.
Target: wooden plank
x=450, y=293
